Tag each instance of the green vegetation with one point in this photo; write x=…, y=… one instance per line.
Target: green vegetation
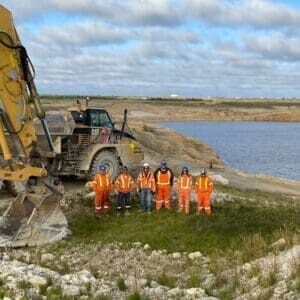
x=23, y=285
x=121, y=284
x=164, y=279
x=135, y=296
x=43, y=287
x=241, y=225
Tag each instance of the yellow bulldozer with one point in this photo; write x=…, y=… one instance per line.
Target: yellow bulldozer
x=34, y=156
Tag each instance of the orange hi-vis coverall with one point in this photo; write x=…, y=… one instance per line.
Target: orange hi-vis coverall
x=164, y=182
x=102, y=186
x=184, y=187
x=124, y=183
x=146, y=181
x=203, y=189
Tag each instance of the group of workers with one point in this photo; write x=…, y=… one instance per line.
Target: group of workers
x=152, y=186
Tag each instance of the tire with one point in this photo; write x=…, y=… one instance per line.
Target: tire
x=108, y=159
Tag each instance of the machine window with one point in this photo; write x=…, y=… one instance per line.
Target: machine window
x=100, y=119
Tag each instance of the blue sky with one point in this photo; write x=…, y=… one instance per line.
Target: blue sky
x=194, y=48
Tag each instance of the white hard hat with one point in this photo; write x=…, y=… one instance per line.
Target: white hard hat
x=146, y=165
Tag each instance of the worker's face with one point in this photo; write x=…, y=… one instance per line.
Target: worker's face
x=146, y=169
x=163, y=168
x=102, y=172
x=125, y=171
x=184, y=171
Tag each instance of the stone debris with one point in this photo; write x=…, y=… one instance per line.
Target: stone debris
x=154, y=275
x=47, y=257
x=195, y=255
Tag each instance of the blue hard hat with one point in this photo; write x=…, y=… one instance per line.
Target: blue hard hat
x=102, y=168
x=185, y=169
x=163, y=163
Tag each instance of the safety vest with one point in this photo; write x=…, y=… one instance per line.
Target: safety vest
x=101, y=183
x=204, y=184
x=146, y=181
x=163, y=178
x=124, y=183
x=185, y=182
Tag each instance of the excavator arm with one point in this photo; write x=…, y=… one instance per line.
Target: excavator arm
x=26, y=220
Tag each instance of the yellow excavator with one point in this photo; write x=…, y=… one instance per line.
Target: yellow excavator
x=34, y=217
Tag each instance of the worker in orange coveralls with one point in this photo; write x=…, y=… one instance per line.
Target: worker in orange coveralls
x=203, y=189
x=124, y=185
x=164, y=179
x=184, y=188
x=102, y=187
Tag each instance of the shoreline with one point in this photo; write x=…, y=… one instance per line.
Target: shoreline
x=238, y=178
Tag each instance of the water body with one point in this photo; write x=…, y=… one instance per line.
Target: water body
x=271, y=148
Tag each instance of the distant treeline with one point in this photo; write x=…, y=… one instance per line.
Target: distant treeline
x=218, y=101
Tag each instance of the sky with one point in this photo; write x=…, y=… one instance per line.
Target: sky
x=193, y=48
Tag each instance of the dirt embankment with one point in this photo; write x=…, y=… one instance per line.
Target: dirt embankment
x=169, y=110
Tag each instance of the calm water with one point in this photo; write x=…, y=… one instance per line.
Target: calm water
x=271, y=148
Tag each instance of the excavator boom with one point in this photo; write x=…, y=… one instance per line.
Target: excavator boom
x=34, y=217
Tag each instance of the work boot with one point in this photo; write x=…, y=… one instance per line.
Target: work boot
x=127, y=213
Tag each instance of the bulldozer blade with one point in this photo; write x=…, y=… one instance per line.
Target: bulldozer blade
x=33, y=220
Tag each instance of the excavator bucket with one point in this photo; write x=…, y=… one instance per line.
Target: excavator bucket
x=33, y=218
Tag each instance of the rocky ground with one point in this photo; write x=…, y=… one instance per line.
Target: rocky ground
x=112, y=272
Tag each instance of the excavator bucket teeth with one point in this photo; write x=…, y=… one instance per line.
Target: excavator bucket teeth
x=33, y=220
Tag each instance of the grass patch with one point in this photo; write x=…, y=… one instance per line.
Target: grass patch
x=135, y=296
x=166, y=280
x=234, y=226
x=121, y=284
x=23, y=285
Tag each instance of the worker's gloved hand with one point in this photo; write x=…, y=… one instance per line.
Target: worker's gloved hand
x=116, y=192
x=153, y=192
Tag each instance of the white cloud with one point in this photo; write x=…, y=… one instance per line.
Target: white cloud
x=156, y=47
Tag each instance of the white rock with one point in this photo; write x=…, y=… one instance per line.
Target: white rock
x=279, y=244
x=220, y=179
x=194, y=293
x=137, y=244
x=195, y=255
x=176, y=255
x=47, y=257
x=147, y=247
x=71, y=290
x=36, y=280
x=86, y=276
x=175, y=293
x=281, y=288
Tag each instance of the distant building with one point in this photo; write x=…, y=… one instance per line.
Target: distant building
x=174, y=96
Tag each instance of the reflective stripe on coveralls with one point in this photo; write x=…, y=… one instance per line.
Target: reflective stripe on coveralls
x=184, y=186
x=163, y=189
x=146, y=181
x=204, y=188
x=162, y=179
